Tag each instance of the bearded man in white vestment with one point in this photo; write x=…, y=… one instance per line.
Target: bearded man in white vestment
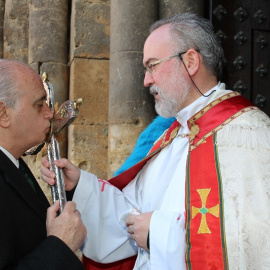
x=201, y=198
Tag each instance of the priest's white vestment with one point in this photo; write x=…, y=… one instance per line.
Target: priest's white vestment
x=244, y=158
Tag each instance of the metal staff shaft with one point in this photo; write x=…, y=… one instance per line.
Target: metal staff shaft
x=58, y=190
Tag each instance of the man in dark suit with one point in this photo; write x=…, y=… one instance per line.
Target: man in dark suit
x=29, y=240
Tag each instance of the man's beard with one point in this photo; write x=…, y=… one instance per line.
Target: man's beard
x=171, y=97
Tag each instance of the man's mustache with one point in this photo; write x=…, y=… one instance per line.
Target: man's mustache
x=154, y=90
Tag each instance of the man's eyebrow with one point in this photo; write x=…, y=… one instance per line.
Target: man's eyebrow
x=149, y=60
x=41, y=99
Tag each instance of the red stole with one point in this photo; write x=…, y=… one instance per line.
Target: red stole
x=206, y=246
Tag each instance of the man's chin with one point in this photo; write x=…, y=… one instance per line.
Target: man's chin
x=162, y=113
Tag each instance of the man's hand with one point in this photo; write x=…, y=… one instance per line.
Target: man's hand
x=138, y=227
x=70, y=171
x=68, y=226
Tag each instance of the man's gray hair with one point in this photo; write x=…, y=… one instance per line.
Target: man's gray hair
x=191, y=31
x=9, y=81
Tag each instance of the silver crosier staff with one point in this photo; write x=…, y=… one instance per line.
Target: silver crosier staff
x=64, y=116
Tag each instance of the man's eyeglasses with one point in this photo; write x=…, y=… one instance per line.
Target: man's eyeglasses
x=150, y=68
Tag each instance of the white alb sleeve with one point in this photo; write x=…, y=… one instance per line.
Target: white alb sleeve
x=101, y=206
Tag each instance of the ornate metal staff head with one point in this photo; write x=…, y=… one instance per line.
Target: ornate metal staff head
x=63, y=117
x=65, y=114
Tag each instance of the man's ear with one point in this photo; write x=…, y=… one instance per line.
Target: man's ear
x=192, y=61
x=4, y=116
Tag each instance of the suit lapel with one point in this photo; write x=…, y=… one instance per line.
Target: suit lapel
x=36, y=201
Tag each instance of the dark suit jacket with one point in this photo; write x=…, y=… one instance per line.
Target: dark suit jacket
x=23, y=239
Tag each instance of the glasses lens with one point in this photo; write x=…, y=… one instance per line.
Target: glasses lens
x=148, y=69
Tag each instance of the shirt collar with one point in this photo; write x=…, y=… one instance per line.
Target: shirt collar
x=12, y=158
x=184, y=115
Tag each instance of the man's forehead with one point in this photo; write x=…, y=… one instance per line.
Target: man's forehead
x=36, y=89
x=158, y=43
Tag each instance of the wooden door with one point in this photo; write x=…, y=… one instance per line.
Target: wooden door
x=243, y=28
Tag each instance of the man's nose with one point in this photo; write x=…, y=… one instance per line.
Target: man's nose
x=148, y=79
x=48, y=112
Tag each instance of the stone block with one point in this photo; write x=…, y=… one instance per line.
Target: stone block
x=48, y=28
x=89, y=79
x=87, y=148
x=90, y=29
x=16, y=21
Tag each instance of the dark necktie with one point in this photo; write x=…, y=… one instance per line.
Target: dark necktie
x=23, y=170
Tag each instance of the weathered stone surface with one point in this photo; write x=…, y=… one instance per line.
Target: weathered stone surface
x=48, y=27
x=90, y=29
x=89, y=80
x=130, y=22
x=50, y=4
x=88, y=146
x=169, y=8
x=122, y=139
x=16, y=30
x=129, y=100
x=87, y=143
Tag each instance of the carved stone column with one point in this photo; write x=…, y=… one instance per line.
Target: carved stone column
x=16, y=30
x=48, y=52
x=169, y=8
x=131, y=107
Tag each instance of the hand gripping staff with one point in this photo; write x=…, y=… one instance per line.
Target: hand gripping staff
x=63, y=117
